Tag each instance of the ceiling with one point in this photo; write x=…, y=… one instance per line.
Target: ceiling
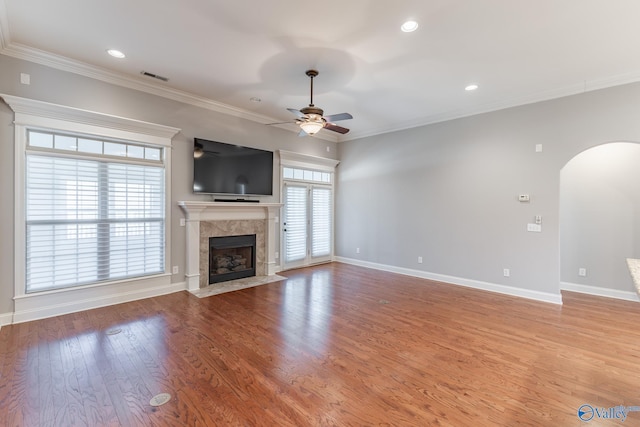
x=220, y=54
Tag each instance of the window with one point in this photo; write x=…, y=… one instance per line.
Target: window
x=94, y=209
x=298, y=174
x=91, y=190
x=70, y=164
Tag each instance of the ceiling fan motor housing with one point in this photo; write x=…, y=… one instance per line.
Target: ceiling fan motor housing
x=312, y=110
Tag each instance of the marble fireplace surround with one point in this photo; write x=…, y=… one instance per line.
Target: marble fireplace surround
x=214, y=219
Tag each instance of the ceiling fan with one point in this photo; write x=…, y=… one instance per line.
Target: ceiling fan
x=311, y=118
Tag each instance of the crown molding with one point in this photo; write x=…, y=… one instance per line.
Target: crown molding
x=62, y=63
x=548, y=95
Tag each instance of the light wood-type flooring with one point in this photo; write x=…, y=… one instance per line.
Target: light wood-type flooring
x=333, y=345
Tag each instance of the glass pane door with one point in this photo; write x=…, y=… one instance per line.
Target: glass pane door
x=295, y=225
x=307, y=224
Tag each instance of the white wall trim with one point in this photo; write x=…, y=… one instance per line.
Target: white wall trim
x=5, y=319
x=289, y=158
x=600, y=291
x=45, y=114
x=46, y=304
x=476, y=284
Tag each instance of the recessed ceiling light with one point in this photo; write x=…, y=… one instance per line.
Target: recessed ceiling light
x=471, y=87
x=409, y=26
x=115, y=53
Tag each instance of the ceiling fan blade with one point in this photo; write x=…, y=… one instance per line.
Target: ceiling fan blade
x=336, y=128
x=295, y=112
x=302, y=133
x=338, y=117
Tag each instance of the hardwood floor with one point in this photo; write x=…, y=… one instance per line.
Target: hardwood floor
x=331, y=345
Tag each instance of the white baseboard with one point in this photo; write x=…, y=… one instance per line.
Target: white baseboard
x=5, y=319
x=599, y=291
x=476, y=284
x=48, y=304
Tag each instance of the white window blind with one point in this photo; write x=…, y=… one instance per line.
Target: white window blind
x=95, y=211
x=321, y=224
x=295, y=223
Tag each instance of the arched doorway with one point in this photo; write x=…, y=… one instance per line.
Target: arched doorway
x=600, y=220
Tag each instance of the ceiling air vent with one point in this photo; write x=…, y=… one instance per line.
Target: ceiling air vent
x=155, y=76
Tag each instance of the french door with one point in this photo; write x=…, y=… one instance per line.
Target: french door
x=307, y=226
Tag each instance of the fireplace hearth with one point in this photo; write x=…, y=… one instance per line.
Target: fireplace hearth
x=232, y=257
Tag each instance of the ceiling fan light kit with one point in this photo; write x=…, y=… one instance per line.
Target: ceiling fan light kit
x=312, y=127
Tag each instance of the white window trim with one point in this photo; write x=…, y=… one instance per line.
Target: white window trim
x=32, y=114
x=306, y=161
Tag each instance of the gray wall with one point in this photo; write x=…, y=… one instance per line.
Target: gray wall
x=72, y=90
x=600, y=216
x=448, y=191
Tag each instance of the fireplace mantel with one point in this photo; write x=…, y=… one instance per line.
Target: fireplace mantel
x=217, y=211
x=195, y=212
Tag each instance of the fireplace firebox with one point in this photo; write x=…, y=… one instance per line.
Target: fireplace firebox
x=232, y=257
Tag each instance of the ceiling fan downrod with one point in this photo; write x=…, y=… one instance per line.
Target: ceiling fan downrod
x=312, y=74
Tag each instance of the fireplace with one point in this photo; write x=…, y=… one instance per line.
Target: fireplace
x=232, y=257
x=217, y=219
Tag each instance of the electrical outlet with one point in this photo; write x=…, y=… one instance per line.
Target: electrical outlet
x=277, y=255
x=506, y=272
x=175, y=269
x=536, y=228
x=357, y=250
x=582, y=272
x=419, y=260
x=182, y=222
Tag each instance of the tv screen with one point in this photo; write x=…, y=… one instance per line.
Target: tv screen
x=220, y=168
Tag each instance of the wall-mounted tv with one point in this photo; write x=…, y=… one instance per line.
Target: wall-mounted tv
x=221, y=168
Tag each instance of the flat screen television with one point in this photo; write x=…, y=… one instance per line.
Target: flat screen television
x=227, y=169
